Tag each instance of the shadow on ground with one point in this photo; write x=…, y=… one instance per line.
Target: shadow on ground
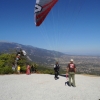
x=62, y=75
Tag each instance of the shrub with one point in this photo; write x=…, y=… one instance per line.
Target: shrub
x=23, y=69
x=6, y=70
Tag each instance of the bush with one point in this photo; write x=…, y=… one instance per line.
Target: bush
x=45, y=70
x=6, y=61
x=6, y=70
x=23, y=69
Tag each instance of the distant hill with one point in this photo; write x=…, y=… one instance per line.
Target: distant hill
x=38, y=55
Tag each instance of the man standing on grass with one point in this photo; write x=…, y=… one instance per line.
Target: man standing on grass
x=71, y=69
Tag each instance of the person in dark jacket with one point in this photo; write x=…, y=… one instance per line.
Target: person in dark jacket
x=32, y=69
x=56, y=70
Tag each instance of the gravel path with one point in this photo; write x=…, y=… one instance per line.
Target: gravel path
x=44, y=87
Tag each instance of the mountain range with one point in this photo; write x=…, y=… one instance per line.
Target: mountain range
x=38, y=55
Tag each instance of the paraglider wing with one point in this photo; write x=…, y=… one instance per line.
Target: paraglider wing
x=24, y=52
x=42, y=8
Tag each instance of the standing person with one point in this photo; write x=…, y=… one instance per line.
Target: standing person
x=35, y=68
x=28, y=69
x=18, y=56
x=13, y=66
x=71, y=69
x=32, y=69
x=56, y=70
x=18, y=69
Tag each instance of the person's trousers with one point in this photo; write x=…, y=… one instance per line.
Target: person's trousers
x=72, y=76
x=56, y=74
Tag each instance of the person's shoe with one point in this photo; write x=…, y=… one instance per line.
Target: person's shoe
x=57, y=77
x=74, y=86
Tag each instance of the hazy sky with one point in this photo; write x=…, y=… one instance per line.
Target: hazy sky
x=72, y=26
